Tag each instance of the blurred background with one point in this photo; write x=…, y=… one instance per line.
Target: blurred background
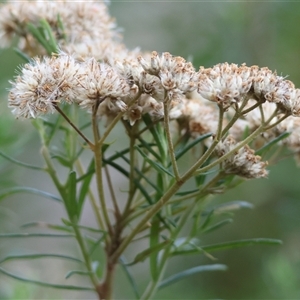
x=256, y=33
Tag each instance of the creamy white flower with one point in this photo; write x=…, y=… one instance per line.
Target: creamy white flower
x=98, y=81
x=224, y=83
x=42, y=84
x=177, y=76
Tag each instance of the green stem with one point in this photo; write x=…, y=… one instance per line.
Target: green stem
x=85, y=255
x=91, y=197
x=169, y=139
x=91, y=145
x=98, y=168
x=116, y=120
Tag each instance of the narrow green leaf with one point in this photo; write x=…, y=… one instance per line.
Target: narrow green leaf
x=17, y=235
x=86, y=185
x=40, y=255
x=17, y=162
x=20, y=189
x=158, y=167
x=184, y=274
x=148, y=146
x=229, y=245
x=46, y=225
x=131, y=280
x=62, y=160
x=156, y=136
x=181, y=152
x=23, y=55
x=39, y=37
x=184, y=193
x=207, y=220
x=218, y=225
x=61, y=27
x=268, y=146
x=144, y=176
x=71, y=273
x=231, y=206
x=46, y=284
x=145, y=254
x=49, y=35
x=91, y=229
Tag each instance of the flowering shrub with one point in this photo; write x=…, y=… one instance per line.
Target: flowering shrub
x=223, y=120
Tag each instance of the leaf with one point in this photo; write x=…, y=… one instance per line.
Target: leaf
x=17, y=235
x=149, y=148
x=184, y=193
x=130, y=277
x=21, y=163
x=181, y=152
x=268, y=146
x=60, y=25
x=46, y=284
x=144, y=176
x=70, y=201
x=38, y=35
x=231, y=206
x=182, y=275
x=20, y=189
x=218, y=225
x=39, y=255
x=62, y=160
x=71, y=273
x=145, y=254
x=22, y=54
x=46, y=225
x=52, y=44
x=158, y=167
x=157, y=136
x=230, y=245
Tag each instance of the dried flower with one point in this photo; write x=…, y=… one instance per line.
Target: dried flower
x=42, y=84
x=98, y=81
x=224, y=83
x=242, y=162
x=177, y=76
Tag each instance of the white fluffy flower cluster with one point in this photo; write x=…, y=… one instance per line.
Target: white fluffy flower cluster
x=83, y=28
x=43, y=84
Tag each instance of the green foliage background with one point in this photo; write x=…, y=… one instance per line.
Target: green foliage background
x=257, y=33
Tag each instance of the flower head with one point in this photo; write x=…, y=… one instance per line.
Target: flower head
x=177, y=76
x=42, y=84
x=242, y=162
x=224, y=83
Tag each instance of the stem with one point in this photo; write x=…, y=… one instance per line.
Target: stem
x=152, y=211
x=169, y=139
x=91, y=197
x=91, y=145
x=85, y=256
x=98, y=168
x=112, y=193
x=132, y=188
x=167, y=196
x=116, y=120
